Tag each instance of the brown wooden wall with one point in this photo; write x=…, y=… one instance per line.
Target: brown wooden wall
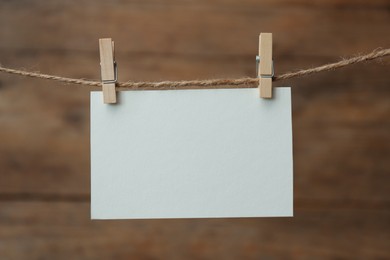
x=341, y=124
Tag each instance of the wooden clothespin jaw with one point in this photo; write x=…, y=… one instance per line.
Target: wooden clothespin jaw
x=109, y=70
x=265, y=66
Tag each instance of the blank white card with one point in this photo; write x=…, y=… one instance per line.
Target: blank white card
x=191, y=154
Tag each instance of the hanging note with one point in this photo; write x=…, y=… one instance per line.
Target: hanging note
x=192, y=154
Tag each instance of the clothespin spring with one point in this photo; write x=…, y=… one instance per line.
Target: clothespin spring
x=257, y=69
x=115, y=80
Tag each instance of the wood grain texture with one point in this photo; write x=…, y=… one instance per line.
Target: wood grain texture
x=312, y=234
x=265, y=54
x=341, y=124
x=265, y=65
x=106, y=50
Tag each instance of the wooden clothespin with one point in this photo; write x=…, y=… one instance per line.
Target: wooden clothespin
x=265, y=65
x=108, y=70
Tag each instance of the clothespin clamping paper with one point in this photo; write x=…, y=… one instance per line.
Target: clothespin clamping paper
x=265, y=66
x=109, y=70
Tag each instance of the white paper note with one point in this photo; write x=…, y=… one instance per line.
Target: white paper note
x=191, y=154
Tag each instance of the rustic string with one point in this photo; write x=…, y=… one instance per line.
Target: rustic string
x=243, y=82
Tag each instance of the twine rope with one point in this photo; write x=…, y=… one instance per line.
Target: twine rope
x=243, y=82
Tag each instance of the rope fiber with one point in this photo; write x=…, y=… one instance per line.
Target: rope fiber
x=243, y=82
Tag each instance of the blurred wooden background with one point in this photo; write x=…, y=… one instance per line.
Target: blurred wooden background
x=341, y=124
